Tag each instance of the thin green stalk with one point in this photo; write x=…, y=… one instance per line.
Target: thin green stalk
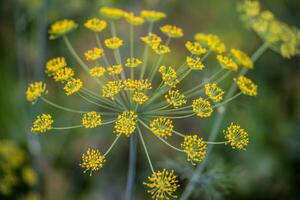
x=131, y=49
x=67, y=127
x=145, y=56
x=111, y=146
x=62, y=107
x=100, y=46
x=223, y=142
x=131, y=168
x=227, y=100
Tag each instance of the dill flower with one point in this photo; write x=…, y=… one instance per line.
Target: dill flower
x=111, y=13
x=92, y=160
x=35, y=90
x=211, y=41
x=214, y=92
x=95, y=24
x=133, y=62
x=246, y=86
x=91, y=120
x=162, y=185
x=152, y=16
x=169, y=76
x=151, y=39
x=63, y=74
x=236, y=136
x=126, y=123
x=194, y=63
x=72, y=86
x=175, y=99
x=42, y=123
x=202, y=107
x=132, y=19
x=111, y=89
x=93, y=54
x=97, y=71
x=195, y=148
x=62, y=27
x=160, y=49
x=55, y=64
x=133, y=84
x=139, y=97
x=114, y=70
x=242, y=58
x=172, y=31
x=162, y=127
x=195, y=48
x=113, y=43
x=29, y=176
x=227, y=63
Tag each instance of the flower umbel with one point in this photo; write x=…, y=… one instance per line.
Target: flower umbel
x=35, y=90
x=236, y=136
x=126, y=123
x=92, y=160
x=62, y=27
x=202, y=107
x=42, y=123
x=246, y=86
x=91, y=120
x=195, y=148
x=162, y=127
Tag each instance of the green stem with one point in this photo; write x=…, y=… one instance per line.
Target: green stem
x=100, y=46
x=131, y=168
x=145, y=56
x=112, y=145
x=67, y=127
x=62, y=107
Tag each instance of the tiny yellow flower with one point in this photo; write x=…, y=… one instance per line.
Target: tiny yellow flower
x=162, y=127
x=93, y=54
x=133, y=62
x=113, y=43
x=172, y=31
x=62, y=27
x=251, y=8
x=91, y=120
x=236, y=136
x=92, y=160
x=246, y=86
x=151, y=39
x=55, y=64
x=133, y=84
x=63, y=74
x=111, y=13
x=202, y=107
x=242, y=58
x=132, y=19
x=152, y=16
x=139, y=97
x=111, y=89
x=35, y=90
x=169, y=76
x=214, y=92
x=195, y=148
x=211, y=41
x=126, y=123
x=194, y=63
x=160, y=49
x=42, y=123
x=162, y=185
x=175, y=99
x=114, y=70
x=72, y=86
x=195, y=48
x=95, y=24
x=97, y=71
x=227, y=63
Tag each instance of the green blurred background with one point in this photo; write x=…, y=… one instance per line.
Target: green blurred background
x=269, y=169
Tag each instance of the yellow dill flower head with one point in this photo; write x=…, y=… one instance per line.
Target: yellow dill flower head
x=126, y=123
x=111, y=13
x=202, y=107
x=94, y=54
x=236, y=136
x=251, y=7
x=92, y=160
x=169, y=76
x=211, y=41
x=95, y=24
x=29, y=176
x=97, y=71
x=175, y=99
x=55, y=64
x=132, y=19
x=42, y=123
x=195, y=148
x=214, y=92
x=63, y=74
x=172, y=31
x=162, y=127
x=227, y=63
x=194, y=63
x=62, y=27
x=246, y=86
x=162, y=185
x=161, y=49
x=91, y=120
x=242, y=58
x=152, y=16
x=151, y=39
x=195, y=48
x=111, y=89
x=36, y=90
x=73, y=85
x=139, y=97
x=133, y=84
x=114, y=70
x=113, y=43
x=133, y=62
